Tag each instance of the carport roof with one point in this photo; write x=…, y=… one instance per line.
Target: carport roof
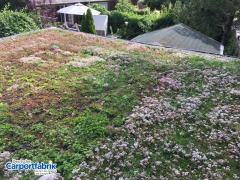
x=180, y=36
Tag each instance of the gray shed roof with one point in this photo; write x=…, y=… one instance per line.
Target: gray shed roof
x=180, y=36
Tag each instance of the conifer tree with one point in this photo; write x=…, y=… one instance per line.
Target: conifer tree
x=89, y=23
x=83, y=23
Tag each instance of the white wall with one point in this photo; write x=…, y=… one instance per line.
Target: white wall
x=101, y=22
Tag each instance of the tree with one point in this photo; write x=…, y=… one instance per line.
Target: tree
x=14, y=4
x=212, y=18
x=157, y=4
x=125, y=6
x=42, y=12
x=88, y=24
x=12, y=22
x=83, y=23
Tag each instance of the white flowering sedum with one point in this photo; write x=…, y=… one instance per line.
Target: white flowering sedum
x=83, y=62
x=207, y=143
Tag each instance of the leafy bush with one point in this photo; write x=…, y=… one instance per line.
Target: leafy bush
x=99, y=8
x=125, y=6
x=165, y=21
x=230, y=49
x=139, y=21
x=138, y=24
x=142, y=11
x=83, y=23
x=15, y=22
x=116, y=19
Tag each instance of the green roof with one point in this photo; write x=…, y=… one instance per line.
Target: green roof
x=180, y=36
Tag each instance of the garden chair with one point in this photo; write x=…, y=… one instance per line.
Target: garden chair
x=71, y=29
x=76, y=26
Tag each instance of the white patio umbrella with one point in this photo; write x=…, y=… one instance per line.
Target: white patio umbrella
x=77, y=9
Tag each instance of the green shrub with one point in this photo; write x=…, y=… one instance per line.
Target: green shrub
x=99, y=8
x=116, y=19
x=138, y=24
x=165, y=21
x=230, y=49
x=88, y=23
x=142, y=11
x=83, y=23
x=15, y=22
x=125, y=6
x=139, y=21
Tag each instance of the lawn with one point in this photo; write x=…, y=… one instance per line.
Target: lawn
x=109, y=110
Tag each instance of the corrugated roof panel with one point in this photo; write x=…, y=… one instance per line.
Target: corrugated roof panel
x=181, y=36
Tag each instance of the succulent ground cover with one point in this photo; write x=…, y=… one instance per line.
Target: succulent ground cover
x=108, y=110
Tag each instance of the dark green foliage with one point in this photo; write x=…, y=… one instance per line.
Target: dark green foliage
x=99, y=8
x=88, y=23
x=116, y=19
x=165, y=21
x=83, y=23
x=142, y=24
x=212, y=18
x=125, y=6
x=15, y=22
x=106, y=12
x=156, y=4
x=14, y=4
x=230, y=48
x=139, y=21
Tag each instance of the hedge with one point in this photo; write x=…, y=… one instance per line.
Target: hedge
x=139, y=21
x=137, y=24
x=15, y=22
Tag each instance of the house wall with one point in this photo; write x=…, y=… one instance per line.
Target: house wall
x=111, y=5
x=135, y=2
x=142, y=6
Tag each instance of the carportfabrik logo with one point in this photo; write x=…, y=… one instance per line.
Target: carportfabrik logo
x=39, y=168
